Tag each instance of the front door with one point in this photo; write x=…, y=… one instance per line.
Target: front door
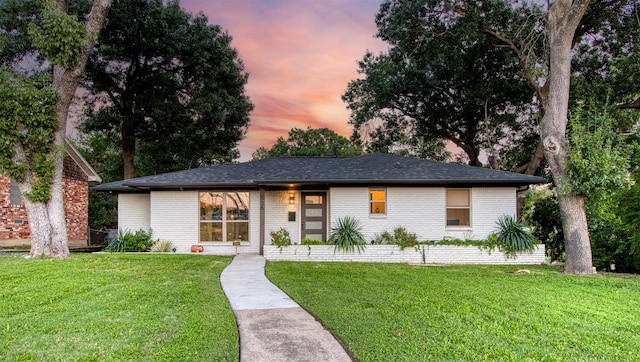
x=314, y=215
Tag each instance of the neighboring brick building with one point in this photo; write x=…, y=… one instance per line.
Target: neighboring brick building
x=14, y=225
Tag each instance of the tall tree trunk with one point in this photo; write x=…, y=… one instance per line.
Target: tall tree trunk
x=37, y=215
x=38, y=223
x=65, y=83
x=128, y=150
x=564, y=17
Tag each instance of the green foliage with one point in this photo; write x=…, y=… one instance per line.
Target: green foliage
x=120, y=307
x=280, y=238
x=162, y=246
x=440, y=81
x=542, y=212
x=183, y=102
x=106, y=159
x=400, y=237
x=399, y=312
x=346, y=235
x=127, y=241
x=60, y=38
x=309, y=241
x=27, y=124
x=598, y=155
x=310, y=142
x=513, y=237
x=457, y=242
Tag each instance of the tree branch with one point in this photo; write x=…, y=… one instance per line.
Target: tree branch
x=523, y=64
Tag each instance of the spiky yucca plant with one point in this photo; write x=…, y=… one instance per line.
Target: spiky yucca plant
x=513, y=238
x=162, y=246
x=346, y=235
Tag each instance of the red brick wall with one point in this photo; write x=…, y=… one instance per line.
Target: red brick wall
x=76, y=207
x=9, y=214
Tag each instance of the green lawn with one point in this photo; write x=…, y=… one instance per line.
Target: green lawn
x=115, y=307
x=394, y=312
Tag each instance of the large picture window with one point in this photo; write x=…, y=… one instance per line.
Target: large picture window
x=458, y=207
x=224, y=216
x=377, y=202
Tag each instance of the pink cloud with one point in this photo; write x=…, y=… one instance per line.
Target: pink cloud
x=300, y=55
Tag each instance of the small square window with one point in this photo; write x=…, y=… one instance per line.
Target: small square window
x=378, y=202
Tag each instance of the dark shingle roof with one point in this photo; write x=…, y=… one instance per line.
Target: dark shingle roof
x=370, y=169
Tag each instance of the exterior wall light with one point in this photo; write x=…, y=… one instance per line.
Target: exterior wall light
x=292, y=198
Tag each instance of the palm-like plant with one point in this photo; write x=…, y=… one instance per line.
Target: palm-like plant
x=513, y=238
x=346, y=235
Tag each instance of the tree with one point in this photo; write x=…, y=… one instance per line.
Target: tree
x=441, y=81
x=168, y=86
x=542, y=43
x=310, y=142
x=64, y=40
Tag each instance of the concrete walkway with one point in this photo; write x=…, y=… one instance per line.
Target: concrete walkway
x=272, y=326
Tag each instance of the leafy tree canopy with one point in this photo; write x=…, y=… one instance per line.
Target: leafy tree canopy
x=310, y=142
x=168, y=87
x=441, y=80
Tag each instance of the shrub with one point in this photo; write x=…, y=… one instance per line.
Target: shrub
x=309, y=241
x=400, y=237
x=280, y=237
x=513, y=238
x=346, y=235
x=162, y=246
x=545, y=221
x=131, y=242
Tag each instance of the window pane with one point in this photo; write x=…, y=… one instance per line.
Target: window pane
x=377, y=201
x=457, y=198
x=458, y=217
x=377, y=195
x=237, y=231
x=211, y=206
x=313, y=225
x=378, y=208
x=210, y=231
x=313, y=212
x=14, y=198
x=313, y=199
x=237, y=206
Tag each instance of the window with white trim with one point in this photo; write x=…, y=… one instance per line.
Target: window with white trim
x=224, y=216
x=377, y=201
x=458, y=207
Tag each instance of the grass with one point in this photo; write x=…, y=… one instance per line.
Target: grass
x=394, y=312
x=115, y=307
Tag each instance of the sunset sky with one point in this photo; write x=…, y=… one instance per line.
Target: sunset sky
x=300, y=56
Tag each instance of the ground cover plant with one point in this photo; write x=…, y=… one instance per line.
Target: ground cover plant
x=397, y=312
x=115, y=307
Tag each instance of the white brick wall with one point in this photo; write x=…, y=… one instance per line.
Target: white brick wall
x=277, y=209
x=443, y=254
x=174, y=216
x=133, y=211
x=421, y=210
